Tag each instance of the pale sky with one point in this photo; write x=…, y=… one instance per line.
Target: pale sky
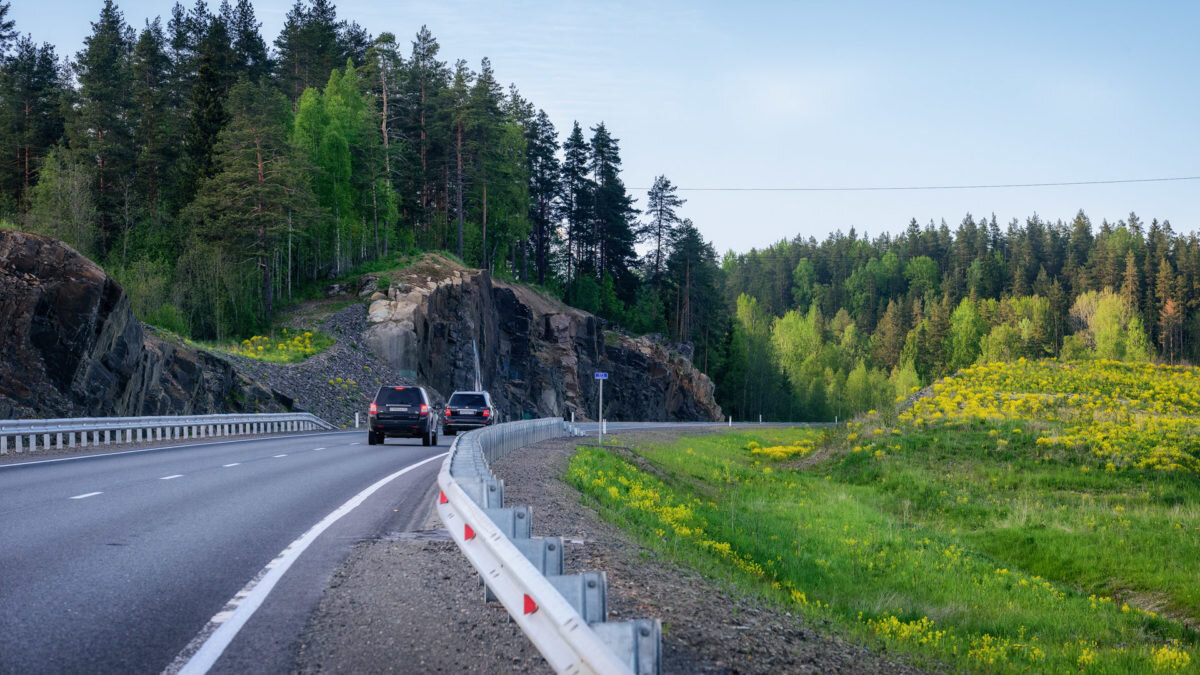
x=829, y=94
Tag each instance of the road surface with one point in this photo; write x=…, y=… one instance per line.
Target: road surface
x=119, y=562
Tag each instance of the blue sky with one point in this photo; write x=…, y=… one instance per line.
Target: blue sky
x=830, y=94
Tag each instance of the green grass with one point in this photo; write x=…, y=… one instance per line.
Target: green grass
x=945, y=545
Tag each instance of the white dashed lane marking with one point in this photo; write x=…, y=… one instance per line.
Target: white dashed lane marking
x=278, y=456
x=226, y=466
x=86, y=495
x=172, y=477
x=318, y=449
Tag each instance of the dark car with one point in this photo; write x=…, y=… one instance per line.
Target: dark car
x=402, y=412
x=468, y=410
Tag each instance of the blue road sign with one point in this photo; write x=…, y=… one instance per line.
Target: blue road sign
x=601, y=376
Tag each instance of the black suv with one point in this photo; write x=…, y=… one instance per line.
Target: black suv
x=468, y=410
x=404, y=412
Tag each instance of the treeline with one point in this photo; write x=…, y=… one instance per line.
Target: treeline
x=822, y=329
x=213, y=174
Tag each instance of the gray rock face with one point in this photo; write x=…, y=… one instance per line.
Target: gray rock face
x=71, y=346
x=537, y=358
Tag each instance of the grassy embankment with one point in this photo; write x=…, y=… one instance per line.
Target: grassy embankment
x=1027, y=516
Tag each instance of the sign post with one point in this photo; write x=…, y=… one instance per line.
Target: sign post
x=600, y=417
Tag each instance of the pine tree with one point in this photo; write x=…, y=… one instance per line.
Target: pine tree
x=381, y=73
x=31, y=122
x=100, y=133
x=7, y=30
x=661, y=203
x=485, y=123
x=426, y=95
x=460, y=95
x=259, y=183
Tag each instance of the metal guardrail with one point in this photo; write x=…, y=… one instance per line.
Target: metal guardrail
x=565, y=616
x=26, y=433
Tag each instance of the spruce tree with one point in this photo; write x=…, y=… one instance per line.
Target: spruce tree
x=206, y=120
x=613, y=214
x=153, y=121
x=249, y=50
x=545, y=185
x=578, y=193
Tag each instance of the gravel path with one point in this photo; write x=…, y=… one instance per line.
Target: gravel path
x=410, y=602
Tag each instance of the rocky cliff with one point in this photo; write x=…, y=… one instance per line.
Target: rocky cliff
x=71, y=346
x=537, y=357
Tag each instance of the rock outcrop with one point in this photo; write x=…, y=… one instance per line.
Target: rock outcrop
x=537, y=357
x=71, y=346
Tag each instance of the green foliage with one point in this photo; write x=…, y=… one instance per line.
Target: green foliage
x=887, y=536
x=62, y=204
x=966, y=330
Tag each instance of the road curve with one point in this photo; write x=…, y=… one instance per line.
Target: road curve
x=115, y=563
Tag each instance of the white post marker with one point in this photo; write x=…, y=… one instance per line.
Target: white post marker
x=600, y=415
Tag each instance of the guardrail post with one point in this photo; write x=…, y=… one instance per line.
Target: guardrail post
x=3, y=445
x=59, y=443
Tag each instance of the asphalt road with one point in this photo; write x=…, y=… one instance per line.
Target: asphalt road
x=117, y=563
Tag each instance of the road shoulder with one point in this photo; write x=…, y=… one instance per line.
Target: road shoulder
x=411, y=602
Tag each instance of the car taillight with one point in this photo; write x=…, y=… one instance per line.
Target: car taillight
x=374, y=409
x=447, y=412
x=424, y=409
x=487, y=413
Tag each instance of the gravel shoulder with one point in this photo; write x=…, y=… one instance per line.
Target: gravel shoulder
x=410, y=602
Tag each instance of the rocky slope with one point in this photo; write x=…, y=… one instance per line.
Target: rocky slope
x=537, y=357
x=70, y=346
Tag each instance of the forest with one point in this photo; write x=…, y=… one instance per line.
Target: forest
x=220, y=178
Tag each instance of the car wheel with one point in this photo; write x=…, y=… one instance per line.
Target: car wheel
x=370, y=438
x=450, y=431
x=425, y=439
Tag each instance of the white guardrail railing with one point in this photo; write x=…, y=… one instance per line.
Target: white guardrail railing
x=30, y=435
x=565, y=616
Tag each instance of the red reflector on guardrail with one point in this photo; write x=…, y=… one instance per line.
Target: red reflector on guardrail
x=468, y=533
x=530, y=605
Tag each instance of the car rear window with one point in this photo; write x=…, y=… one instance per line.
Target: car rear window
x=401, y=396
x=467, y=401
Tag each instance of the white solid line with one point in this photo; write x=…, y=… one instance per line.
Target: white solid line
x=226, y=466
x=85, y=496
x=178, y=475
x=248, y=600
x=278, y=456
